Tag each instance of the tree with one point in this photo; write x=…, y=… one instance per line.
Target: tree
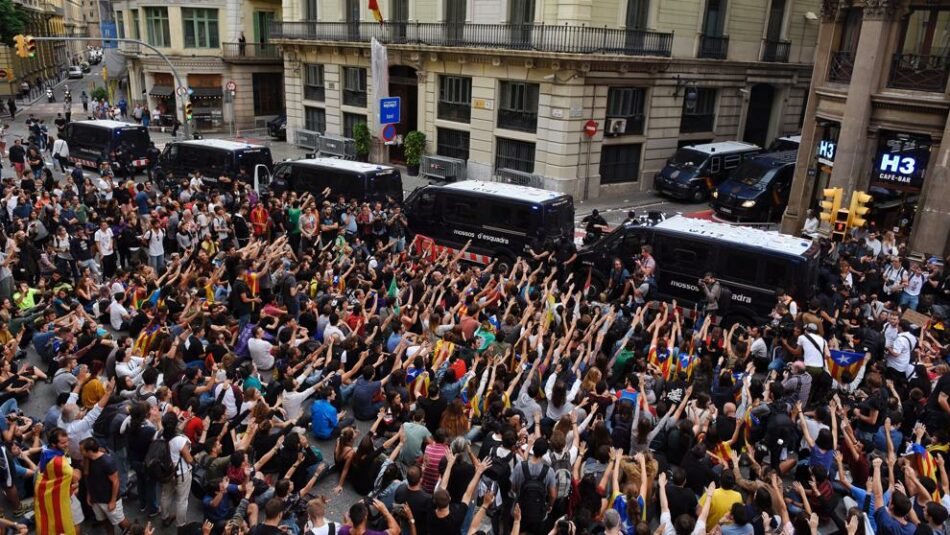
x=98, y=92
x=12, y=21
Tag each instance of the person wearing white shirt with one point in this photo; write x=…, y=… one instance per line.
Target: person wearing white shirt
x=119, y=316
x=105, y=241
x=811, y=225
x=900, y=351
x=813, y=349
x=132, y=367
x=77, y=428
x=874, y=244
x=224, y=394
x=261, y=350
x=61, y=153
x=104, y=185
x=913, y=283
x=155, y=240
x=891, y=329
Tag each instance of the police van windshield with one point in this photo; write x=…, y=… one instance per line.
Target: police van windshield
x=687, y=158
x=559, y=218
x=387, y=183
x=752, y=173
x=135, y=138
x=251, y=158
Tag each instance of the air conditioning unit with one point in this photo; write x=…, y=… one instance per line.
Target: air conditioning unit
x=616, y=127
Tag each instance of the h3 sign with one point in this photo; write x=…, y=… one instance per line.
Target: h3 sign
x=389, y=110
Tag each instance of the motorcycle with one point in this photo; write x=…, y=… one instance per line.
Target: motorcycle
x=67, y=95
x=49, y=95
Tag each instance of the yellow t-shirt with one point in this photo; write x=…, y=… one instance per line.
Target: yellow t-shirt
x=722, y=501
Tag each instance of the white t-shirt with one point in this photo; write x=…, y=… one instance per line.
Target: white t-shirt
x=105, y=241
x=260, y=353
x=230, y=405
x=155, y=239
x=175, y=446
x=903, y=346
x=914, y=284
x=812, y=356
x=332, y=331
x=116, y=314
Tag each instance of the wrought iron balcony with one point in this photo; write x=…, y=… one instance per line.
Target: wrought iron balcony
x=252, y=53
x=536, y=37
x=775, y=51
x=841, y=66
x=920, y=73
x=713, y=46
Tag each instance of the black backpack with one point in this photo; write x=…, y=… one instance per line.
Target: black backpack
x=158, y=461
x=500, y=469
x=534, y=495
x=725, y=298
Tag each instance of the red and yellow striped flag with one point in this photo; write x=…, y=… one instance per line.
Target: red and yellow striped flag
x=374, y=7
x=51, y=502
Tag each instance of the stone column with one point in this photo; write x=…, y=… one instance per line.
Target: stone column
x=803, y=183
x=931, y=230
x=869, y=63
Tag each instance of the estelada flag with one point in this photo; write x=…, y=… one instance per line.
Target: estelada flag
x=51, y=498
x=664, y=360
x=844, y=361
x=925, y=465
x=374, y=7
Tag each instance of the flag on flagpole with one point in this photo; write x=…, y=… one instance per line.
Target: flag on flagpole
x=374, y=7
x=841, y=362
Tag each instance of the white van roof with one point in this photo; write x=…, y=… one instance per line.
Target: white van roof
x=793, y=139
x=346, y=165
x=773, y=241
x=220, y=144
x=723, y=147
x=107, y=123
x=501, y=189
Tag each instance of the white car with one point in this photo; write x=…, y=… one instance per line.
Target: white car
x=75, y=71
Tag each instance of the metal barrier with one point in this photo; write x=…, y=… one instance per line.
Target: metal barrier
x=338, y=147
x=307, y=139
x=443, y=168
x=510, y=176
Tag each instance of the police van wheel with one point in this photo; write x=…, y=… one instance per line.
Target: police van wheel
x=504, y=263
x=699, y=195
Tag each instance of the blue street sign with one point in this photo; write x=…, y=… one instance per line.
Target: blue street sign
x=389, y=110
x=108, y=30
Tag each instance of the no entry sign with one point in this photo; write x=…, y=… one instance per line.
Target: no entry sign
x=590, y=128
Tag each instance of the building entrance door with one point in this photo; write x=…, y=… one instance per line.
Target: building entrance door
x=759, y=114
x=404, y=84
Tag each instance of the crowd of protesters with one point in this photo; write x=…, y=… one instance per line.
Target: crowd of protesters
x=209, y=344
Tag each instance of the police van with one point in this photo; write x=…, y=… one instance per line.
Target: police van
x=752, y=263
x=758, y=189
x=785, y=143
x=92, y=142
x=362, y=181
x=503, y=221
x=695, y=170
x=216, y=157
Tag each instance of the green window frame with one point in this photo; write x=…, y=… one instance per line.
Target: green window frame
x=157, y=29
x=120, y=25
x=200, y=27
x=136, y=28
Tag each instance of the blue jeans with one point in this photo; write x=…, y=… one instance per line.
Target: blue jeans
x=157, y=263
x=910, y=301
x=6, y=408
x=148, y=490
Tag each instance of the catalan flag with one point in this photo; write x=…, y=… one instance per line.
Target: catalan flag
x=144, y=341
x=844, y=361
x=723, y=450
x=51, y=503
x=665, y=360
x=442, y=350
x=686, y=363
x=925, y=465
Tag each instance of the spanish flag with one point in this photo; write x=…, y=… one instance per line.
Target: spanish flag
x=374, y=7
x=51, y=502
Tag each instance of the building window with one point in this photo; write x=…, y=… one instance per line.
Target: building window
x=519, y=106
x=922, y=62
x=626, y=103
x=156, y=27
x=699, y=114
x=310, y=9
x=200, y=27
x=349, y=121
x=314, y=119
x=452, y=143
x=119, y=25
x=515, y=155
x=313, y=88
x=455, y=98
x=620, y=163
x=136, y=32
x=354, y=86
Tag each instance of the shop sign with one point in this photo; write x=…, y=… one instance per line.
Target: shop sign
x=901, y=161
x=826, y=152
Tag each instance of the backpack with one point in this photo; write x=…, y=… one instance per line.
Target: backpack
x=562, y=475
x=533, y=498
x=500, y=469
x=725, y=298
x=158, y=461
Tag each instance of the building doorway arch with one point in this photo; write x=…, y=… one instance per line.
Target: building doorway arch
x=759, y=114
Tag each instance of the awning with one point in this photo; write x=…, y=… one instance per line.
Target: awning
x=206, y=92
x=162, y=91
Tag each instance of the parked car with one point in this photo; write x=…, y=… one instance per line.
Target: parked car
x=277, y=127
x=85, y=67
x=75, y=72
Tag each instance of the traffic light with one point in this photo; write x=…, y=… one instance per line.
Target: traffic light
x=859, y=208
x=840, y=227
x=831, y=204
x=6, y=75
x=30, y=45
x=188, y=111
x=20, y=46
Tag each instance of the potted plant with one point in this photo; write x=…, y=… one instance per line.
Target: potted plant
x=362, y=139
x=414, y=146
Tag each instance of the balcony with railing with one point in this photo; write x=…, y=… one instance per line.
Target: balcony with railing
x=522, y=121
x=454, y=111
x=129, y=49
x=841, y=66
x=775, y=51
x=713, y=46
x=920, y=73
x=530, y=37
x=251, y=53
